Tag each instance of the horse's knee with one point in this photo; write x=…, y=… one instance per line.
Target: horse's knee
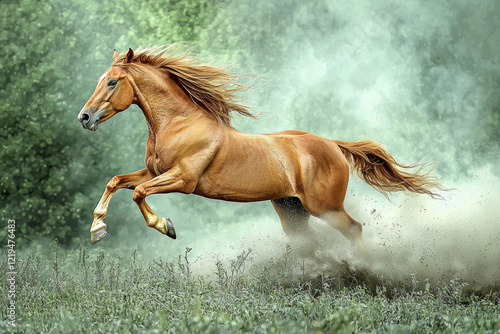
x=111, y=186
x=139, y=194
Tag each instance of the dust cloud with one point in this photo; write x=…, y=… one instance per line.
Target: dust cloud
x=419, y=77
x=438, y=240
x=416, y=76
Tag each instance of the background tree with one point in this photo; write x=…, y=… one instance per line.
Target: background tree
x=52, y=53
x=417, y=76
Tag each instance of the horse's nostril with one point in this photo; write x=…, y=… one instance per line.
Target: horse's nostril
x=85, y=118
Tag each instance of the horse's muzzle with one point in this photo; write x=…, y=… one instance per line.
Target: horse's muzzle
x=89, y=120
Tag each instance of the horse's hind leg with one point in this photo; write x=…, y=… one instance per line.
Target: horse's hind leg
x=293, y=216
x=348, y=226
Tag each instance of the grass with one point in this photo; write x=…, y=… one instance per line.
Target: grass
x=90, y=291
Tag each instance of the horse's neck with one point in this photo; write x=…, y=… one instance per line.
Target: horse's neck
x=167, y=107
x=148, y=103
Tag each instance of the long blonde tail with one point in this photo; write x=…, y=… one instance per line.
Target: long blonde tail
x=378, y=168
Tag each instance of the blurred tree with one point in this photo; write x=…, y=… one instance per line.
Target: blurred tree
x=436, y=59
x=52, y=53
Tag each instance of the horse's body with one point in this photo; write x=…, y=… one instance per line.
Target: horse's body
x=193, y=149
x=251, y=168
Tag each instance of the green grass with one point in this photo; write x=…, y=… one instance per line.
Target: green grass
x=82, y=291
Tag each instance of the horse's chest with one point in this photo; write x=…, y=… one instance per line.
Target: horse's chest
x=154, y=165
x=153, y=162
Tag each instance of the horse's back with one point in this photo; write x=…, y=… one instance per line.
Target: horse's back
x=289, y=133
x=309, y=145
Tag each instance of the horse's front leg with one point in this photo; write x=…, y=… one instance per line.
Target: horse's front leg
x=171, y=181
x=98, y=229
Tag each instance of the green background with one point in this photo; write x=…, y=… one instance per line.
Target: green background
x=421, y=77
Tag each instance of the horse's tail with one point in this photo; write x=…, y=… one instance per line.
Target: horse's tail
x=378, y=168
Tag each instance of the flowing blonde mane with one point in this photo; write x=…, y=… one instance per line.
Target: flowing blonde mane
x=213, y=88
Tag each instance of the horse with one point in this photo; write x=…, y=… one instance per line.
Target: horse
x=192, y=148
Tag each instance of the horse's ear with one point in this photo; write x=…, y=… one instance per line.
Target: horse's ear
x=115, y=54
x=130, y=56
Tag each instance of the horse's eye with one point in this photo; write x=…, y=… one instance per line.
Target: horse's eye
x=112, y=83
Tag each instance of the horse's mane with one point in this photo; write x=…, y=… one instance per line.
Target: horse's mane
x=213, y=88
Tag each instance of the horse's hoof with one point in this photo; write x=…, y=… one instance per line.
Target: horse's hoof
x=98, y=233
x=170, y=229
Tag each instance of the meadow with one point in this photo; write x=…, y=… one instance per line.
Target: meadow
x=88, y=290
x=420, y=77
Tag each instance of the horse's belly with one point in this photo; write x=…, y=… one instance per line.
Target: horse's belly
x=244, y=189
x=251, y=168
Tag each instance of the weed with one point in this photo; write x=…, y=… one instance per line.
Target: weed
x=92, y=291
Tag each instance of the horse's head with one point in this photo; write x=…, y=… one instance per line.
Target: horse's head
x=114, y=93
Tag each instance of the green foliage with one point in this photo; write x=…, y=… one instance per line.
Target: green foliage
x=82, y=291
x=339, y=70
x=52, y=53
x=349, y=71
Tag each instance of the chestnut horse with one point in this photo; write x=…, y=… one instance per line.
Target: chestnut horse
x=193, y=149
